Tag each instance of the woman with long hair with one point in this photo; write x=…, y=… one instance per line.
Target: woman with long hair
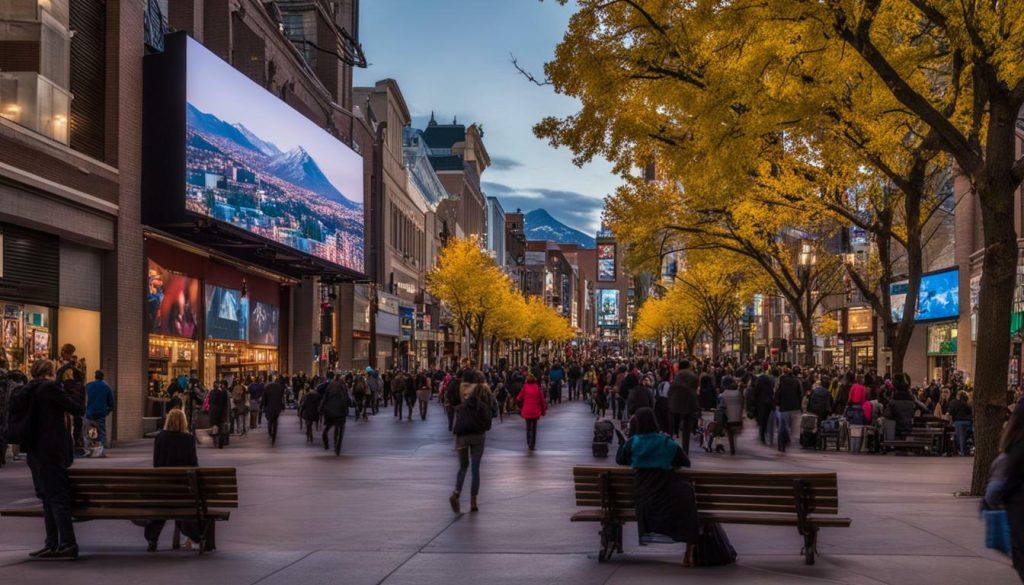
x=174, y=447
x=472, y=421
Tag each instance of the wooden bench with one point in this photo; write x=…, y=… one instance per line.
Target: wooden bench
x=926, y=435
x=200, y=494
x=807, y=501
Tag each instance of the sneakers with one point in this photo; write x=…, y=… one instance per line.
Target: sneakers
x=454, y=501
x=64, y=553
x=36, y=553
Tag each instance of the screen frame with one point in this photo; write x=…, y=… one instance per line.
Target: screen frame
x=924, y=276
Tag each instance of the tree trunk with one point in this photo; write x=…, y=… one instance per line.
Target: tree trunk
x=808, y=326
x=999, y=266
x=716, y=343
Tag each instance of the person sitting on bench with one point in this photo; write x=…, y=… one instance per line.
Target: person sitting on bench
x=174, y=447
x=901, y=408
x=664, y=500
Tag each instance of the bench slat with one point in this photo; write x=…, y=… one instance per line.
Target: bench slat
x=121, y=513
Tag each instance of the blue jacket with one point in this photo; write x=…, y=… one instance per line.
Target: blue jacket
x=99, y=399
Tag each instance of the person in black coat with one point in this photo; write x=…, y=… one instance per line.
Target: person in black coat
x=1012, y=494
x=682, y=401
x=272, y=404
x=50, y=454
x=764, y=397
x=641, y=396
x=334, y=408
x=174, y=447
x=901, y=408
x=219, y=411
x=707, y=394
x=309, y=409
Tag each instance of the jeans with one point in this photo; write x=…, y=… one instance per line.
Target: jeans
x=450, y=411
x=470, y=453
x=101, y=429
x=398, y=405
x=339, y=433
x=531, y=433
x=791, y=419
x=54, y=489
x=962, y=427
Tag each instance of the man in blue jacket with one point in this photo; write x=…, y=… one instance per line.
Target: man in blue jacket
x=99, y=403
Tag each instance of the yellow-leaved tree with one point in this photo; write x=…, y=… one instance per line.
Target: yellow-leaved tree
x=472, y=287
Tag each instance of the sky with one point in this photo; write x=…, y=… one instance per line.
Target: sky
x=214, y=87
x=452, y=57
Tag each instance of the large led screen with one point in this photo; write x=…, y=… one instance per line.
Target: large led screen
x=606, y=262
x=263, y=324
x=255, y=163
x=939, y=297
x=172, y=303
x=608, y=307
x=227, y=314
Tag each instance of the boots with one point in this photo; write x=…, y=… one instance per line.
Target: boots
x=472, y=505
x=454, y=501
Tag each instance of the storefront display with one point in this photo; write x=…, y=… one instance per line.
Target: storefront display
x=942, y=346
x=26, y=334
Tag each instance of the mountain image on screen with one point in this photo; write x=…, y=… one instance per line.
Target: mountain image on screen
x=540, y=225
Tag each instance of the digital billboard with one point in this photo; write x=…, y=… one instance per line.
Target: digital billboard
x=172, y=303
x=606, y=262
x=608, y=307
x=939, y=297
x=263, y=324
x=227, y=314
x=255, y=163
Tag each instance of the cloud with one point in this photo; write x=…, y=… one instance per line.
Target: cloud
x=504, y=163
x=577, y=210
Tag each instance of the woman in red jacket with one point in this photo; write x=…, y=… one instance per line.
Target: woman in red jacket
x=532, y=406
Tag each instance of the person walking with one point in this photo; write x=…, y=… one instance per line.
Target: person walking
x=532, y=406
x=220, y=412
x=71, y=376
x=472, y=421
x=256, y=402
x=664, y=500
x=682, y=401
x=641, y=396
x=174, y=447
x=409, y=393
x=423, y=392
x=309, y=409
x=50, y=450
x=334, y=408
x=789, y=399
x=361, y=394
x=398, y=392
x=764, y=404
x=272, y=405
x=730, y=401
x=239, y=407
x=98, y=406
x=376, y=386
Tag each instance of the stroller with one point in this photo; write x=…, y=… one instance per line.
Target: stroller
x=711, y=427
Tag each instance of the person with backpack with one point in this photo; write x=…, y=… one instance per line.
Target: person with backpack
x=532, y=406
x=423, y=392
x=472, y=421
x=410, y=393
x=37, y=424
x=98, y=406
x=334, y=408
x=361, y=393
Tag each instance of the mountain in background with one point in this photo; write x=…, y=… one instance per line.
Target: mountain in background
x=539, y=225
x=267, y=148
x=298, y=168
x=209, y=124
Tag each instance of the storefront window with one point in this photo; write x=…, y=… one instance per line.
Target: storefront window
x=942, y=339
x=170, y=358
x=233, y=360
x=27, y=334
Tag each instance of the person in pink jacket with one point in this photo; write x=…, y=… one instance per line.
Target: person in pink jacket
x=532, y=406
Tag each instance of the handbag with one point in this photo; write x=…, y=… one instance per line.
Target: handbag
x=713, y=546
x=997, y=531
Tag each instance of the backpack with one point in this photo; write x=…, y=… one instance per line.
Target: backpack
x=472, y=417
x=21, y=416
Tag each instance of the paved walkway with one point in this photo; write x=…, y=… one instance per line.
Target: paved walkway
x=379, y=514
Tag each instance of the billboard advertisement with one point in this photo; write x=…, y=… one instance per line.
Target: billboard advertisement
x=608, y=307
x=263, y=324
x=172, y=303
x=227, y=314
x=939, y=297
x=255, y=163
x=606, y=262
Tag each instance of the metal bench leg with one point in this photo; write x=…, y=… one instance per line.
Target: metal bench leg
x=810, y=545
x=611, y=541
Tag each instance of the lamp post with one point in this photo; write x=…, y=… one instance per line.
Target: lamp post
x=805, y=265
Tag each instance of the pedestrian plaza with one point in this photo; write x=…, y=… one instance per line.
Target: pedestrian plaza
x=378, y=514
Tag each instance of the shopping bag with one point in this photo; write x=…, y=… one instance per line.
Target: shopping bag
x=997, y=530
